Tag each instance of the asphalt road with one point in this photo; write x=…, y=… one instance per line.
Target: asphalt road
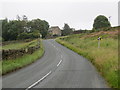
x=58, y=68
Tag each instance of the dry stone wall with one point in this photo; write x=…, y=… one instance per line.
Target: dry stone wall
x=12, y=54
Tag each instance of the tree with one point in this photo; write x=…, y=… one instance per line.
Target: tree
x=45, y=27
x=1, y=29
x=40, y=25
x=24, y=17
x=23, y=29
x=25, y=35
x=66, y=30
x=101, y=22
x=11, y=29
x=5, y=28
x=18, y=17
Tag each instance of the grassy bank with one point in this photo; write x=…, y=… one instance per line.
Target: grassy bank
x=19, y=45
x=12, y=65
x=104, y=58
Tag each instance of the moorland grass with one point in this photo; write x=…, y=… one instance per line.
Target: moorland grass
x=104, y=58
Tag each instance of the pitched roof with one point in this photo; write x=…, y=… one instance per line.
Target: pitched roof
x=53, y=27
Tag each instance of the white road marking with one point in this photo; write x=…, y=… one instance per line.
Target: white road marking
x=59, y=63
x=53, y=45
x=46, y=74
x=38, y=81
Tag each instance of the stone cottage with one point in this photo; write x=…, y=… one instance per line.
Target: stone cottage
x=54, y=31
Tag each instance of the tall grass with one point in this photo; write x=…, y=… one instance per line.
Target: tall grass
x=104, y=58
x=12, y=65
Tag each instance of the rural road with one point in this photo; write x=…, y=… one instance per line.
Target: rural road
x=58, y=68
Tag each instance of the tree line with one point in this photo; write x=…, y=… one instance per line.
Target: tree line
x=23, y=28
x=100, y=22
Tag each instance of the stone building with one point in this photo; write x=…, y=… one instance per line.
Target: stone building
x=54, y=31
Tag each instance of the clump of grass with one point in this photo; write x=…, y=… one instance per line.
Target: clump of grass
x=12, y=65
x=104, y=58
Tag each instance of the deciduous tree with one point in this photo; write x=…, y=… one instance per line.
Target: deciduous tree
x=101, y=22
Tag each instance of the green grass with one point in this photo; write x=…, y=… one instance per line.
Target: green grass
x=12, y=65
x=19, y=45
x=104, y=58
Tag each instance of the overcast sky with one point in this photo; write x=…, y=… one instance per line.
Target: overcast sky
x=78, y=14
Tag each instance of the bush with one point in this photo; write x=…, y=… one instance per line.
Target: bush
x=28, y=35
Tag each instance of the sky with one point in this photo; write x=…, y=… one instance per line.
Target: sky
x=78, y=14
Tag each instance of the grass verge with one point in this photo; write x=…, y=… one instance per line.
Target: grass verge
x=104, y=58
x=20, y=45
x=13, y=65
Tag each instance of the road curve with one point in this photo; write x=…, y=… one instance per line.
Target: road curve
x=58, y=68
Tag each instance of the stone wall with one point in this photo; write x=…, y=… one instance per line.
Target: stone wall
x=12, y=54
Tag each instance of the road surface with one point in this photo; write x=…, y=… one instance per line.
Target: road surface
x=58, y=68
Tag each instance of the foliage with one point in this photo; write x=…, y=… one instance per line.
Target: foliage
x=41, y=25
x=66, y=30
x=101, y=22
x=11, y=29
x=23, y=29
x=1, y=39
x=32, y=35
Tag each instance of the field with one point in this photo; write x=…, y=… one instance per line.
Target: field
x=15, y=64
x=104, y=58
